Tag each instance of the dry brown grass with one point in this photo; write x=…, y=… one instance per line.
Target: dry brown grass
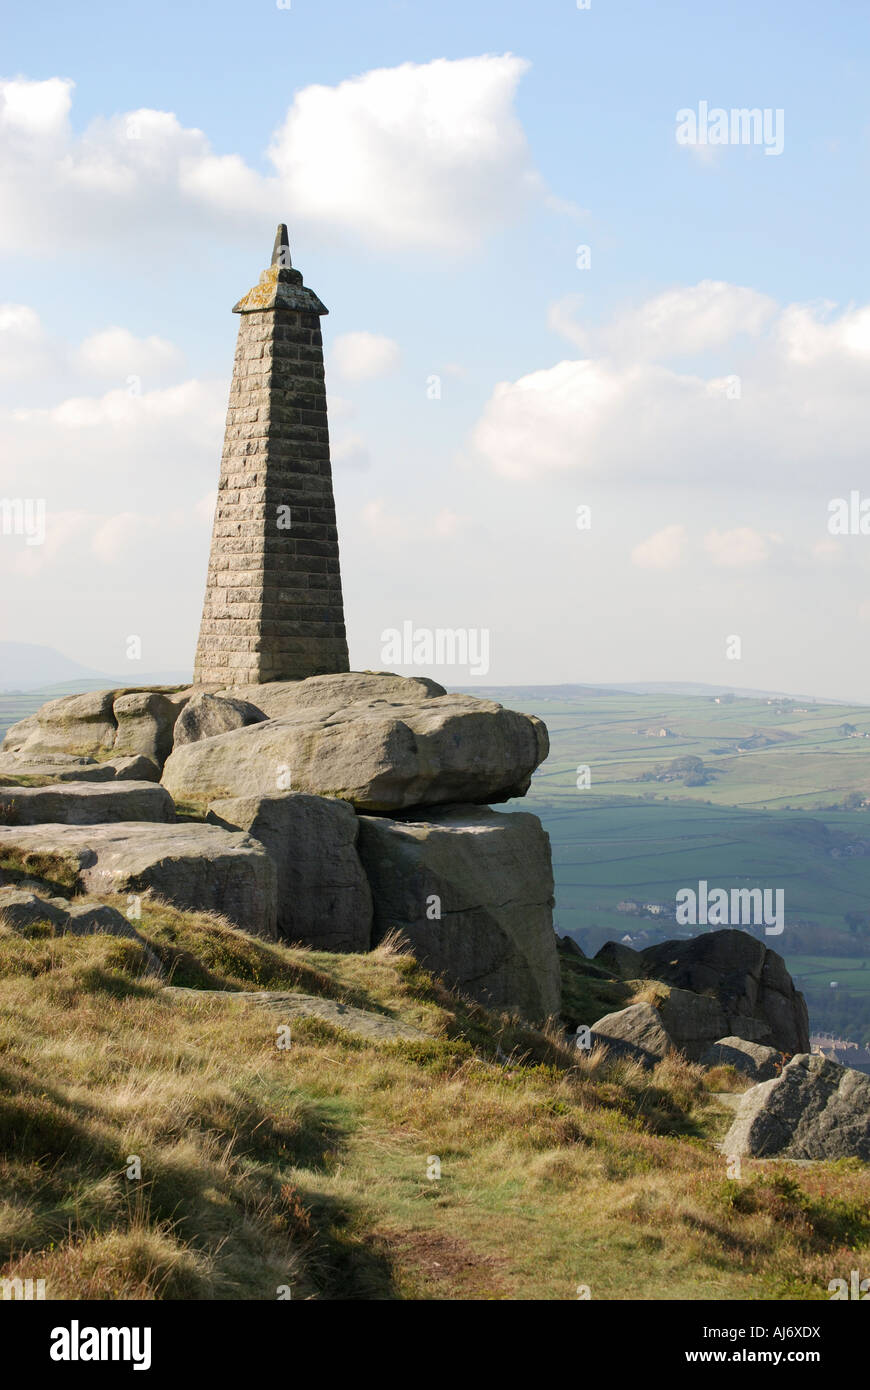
x=312, y=1167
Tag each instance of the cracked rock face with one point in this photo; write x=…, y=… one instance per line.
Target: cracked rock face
x=324, y=899
x=814, y=1109
x=472, y=889
x=194, y=866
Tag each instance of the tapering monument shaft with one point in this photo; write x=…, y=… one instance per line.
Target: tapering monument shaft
x=273, y=603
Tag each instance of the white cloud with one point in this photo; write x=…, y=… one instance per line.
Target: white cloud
x=809, y=333
x=575, y=417
x=396, y=527
x=741, y=548
x=689, y=320
x=185, y=405
x=350, y=451
x=340, y=408
x=799, y=405
x=383, y=524
x=165, y=442
x=561, y=319
x=113, y=536
x=362, y=356
x=449, y=523
x=828, y=551
x=424, y=156
x=204, y=509
x=116, y=352
x=29, y=352
x=25, y=350
x=678, y=323
x=35, y=109
x=664, y=550
x=125, y=181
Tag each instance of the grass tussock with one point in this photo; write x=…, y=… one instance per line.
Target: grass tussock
x=57, y=871
x=153, y=1149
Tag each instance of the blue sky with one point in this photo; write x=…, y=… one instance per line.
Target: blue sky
x=439, y=165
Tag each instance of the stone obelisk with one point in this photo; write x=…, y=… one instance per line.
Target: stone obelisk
x=273, y=604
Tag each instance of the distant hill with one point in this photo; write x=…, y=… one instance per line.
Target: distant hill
x=690, y=688
x=26, y=668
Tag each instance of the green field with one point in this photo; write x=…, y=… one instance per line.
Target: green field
x=800, y=760
x=604, y=852
x=770, y=817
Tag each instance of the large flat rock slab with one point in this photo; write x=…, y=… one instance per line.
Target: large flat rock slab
x=62, y=767
x=335, y=692
x=324, y=899
x=815, y=1109
x=288, y=1004
x=193, y=866
x=472, y=890
x=86, y=803
x=377, y=755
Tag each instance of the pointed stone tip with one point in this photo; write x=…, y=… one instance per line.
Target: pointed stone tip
x=281, y=249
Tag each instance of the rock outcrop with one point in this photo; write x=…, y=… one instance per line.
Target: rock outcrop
x=752, y=1059
x=191, y=865
x=747, y=979
x=624, y=961
x=22, y=910
x=78, y=724
x=471, y=889
x=334, y=692
x=324, y=899
x=569, y=947
x=815, y=1109
x=86, y=803
x=125, y=722
x=692, y=1021
x=62, y=767
x=636, y=1033
x=297, y=779
x=377, y=755
x=146, y=721
x=206, y=716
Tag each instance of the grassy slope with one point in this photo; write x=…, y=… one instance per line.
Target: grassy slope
x=308, y=1167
